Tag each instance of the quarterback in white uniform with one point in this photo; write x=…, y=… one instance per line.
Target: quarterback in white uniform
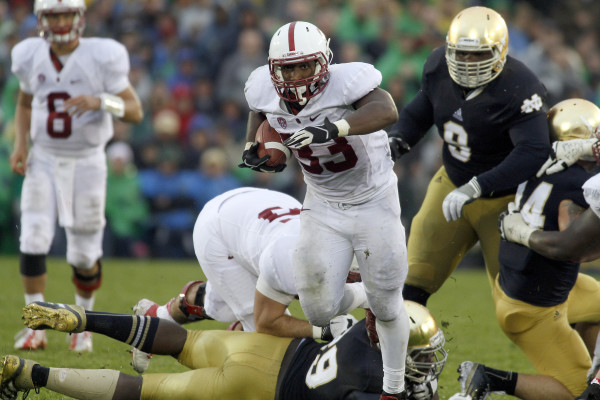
x=332, y=117
x=244, y=240
x=70, y=89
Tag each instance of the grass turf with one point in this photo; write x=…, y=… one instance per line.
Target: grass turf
x=463, y=307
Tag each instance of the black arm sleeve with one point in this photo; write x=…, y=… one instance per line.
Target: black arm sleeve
x=532, y=148
x=415, y=120
x=355, y=395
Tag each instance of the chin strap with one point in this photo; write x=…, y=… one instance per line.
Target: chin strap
x=193, y=312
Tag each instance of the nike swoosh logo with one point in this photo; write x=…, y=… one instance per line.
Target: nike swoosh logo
x=313, y=119
x=75, y=81
x=230, y=257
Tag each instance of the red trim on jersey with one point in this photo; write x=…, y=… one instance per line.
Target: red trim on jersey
x=56, y=61
x=291, y=37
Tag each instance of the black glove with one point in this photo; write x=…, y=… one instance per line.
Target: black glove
x=591, y=393
x=251, y=160
x=398, y=146
x=313, y=134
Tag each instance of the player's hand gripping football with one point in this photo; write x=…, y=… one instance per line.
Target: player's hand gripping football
x=250, y=159
x=317, y=134
x=456, y=199
x=566, y=153
x=513, y=227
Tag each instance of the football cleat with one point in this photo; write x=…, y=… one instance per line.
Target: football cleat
x=28, y=339
x=15, y=377
x=60, y=317
x=140, y=361
x=474, y=384
x=80, y=341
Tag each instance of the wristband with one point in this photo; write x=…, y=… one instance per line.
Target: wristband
x=248, y=145
x=317, y=332
x=113, y=104
x=343, y=127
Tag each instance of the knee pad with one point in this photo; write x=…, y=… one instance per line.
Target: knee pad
x=195, y=311
x=319, y=313
x=87, y=283
x=32, y=264
x=36, y=238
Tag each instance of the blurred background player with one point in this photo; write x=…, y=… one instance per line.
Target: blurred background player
x=489, y=109
x=70, y=89
x=227, y=364
x=244, y=241
x=532, y=290
x=332, y=117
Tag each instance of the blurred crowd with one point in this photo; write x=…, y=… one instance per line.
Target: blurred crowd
x=189, y=62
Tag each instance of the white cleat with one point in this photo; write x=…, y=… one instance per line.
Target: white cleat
x=80, y=341
x=28, y=339
x=140, y=361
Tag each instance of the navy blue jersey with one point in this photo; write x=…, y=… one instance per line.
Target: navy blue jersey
x=497, y=133
x=524, y=274
x=333, y=371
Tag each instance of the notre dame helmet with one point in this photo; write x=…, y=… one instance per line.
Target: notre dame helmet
x=426, y=355
x=42, y=8
x=476, y=29
x=573, y=119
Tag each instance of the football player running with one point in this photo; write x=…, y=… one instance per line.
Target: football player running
x=244, y=241
x=532, y=290
x=331, y=117
x=227, y=364
x=489, y=110
x=70, y=89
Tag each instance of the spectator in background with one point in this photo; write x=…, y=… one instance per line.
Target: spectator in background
x=126, y=210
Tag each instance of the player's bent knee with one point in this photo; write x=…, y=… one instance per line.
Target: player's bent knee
x=36, y=241
x=319, y=314
x=84, y=280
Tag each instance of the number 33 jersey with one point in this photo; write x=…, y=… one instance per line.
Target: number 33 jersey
x=351, y=169
x=95, y=66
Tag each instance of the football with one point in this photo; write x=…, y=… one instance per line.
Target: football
x=269, y=143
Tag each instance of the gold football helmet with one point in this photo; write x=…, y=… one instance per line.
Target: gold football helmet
x=573, y=119
x=426, y=355
x=474, y=32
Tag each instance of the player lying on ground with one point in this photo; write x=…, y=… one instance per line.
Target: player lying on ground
x=227, y=364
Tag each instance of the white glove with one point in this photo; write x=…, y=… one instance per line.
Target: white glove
x=337, y=326
x=566, y=153
x=421, y=391
x=456, y=199
x=513, y=227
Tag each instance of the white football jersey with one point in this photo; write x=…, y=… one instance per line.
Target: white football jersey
x=251, y=219
x=95, y=66
x=351, y=169
x=591, y=192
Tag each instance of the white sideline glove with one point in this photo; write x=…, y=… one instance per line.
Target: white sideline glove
x=337, y=327
x=513, y=227
x=566, y=153
x=456, y=199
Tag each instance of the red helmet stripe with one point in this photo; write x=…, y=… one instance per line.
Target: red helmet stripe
x=291, y=36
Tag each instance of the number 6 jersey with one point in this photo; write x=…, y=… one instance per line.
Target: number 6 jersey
x=351, y=169
x=97, y=65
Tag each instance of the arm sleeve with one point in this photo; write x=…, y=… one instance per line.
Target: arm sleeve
x=415, y=120
x=532, y=147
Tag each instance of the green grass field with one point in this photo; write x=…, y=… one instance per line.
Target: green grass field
x=463, y=307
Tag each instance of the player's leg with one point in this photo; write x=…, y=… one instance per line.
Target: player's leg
x=381, y=255
x=38, y=219
x=546, y=338
x=435, y=246
x=483, y=217
x=84, y=237
x=321, y=260
x=230, y=281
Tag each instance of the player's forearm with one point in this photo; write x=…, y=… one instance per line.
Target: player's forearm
x=22, y=126
x=555, y=245
x=285, y=326
x=133, y=111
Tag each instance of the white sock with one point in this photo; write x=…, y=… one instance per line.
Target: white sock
x=87, y=304
x=30, y=298
x=393, y=339
x=85, y=384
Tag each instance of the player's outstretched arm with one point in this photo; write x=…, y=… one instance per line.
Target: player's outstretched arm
x=18, y=158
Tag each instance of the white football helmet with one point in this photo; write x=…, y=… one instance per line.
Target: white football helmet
x=476, y=29
x=42, y=8
x=426, y=355
x=294, y=43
